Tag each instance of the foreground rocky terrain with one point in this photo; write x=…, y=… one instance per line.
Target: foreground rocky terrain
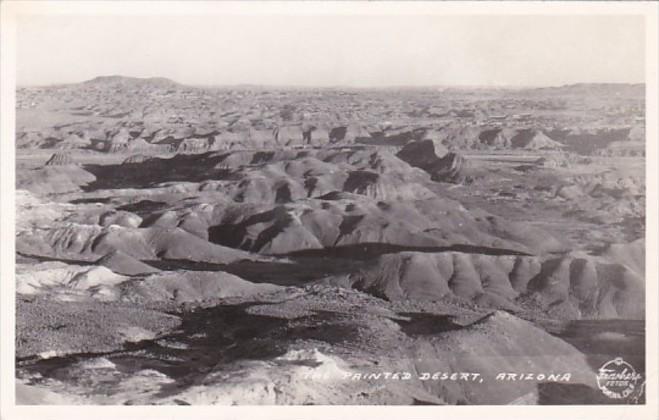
x=184, y=245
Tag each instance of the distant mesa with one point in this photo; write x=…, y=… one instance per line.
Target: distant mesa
x=601, y=89
x=127, y=80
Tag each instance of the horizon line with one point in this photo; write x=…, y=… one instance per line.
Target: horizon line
x=362, y=87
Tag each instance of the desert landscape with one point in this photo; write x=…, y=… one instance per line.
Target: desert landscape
x=188, y=245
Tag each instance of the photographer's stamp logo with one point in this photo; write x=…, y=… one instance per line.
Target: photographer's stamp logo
x=618, y=379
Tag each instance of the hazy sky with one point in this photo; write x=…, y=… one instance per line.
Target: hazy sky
x=334, y=50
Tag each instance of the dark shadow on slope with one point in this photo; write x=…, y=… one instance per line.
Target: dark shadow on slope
x=144, y=207
x=367, y=251
x=426, y=324
x=522, y=138
x=298, y=272
x=489, y=136
x=103, y=200
x=337, y=134
x=398, y=139
x=149, y=173
x=358, y=181
x=233, y=235
x=42, y=258
x=543, y=280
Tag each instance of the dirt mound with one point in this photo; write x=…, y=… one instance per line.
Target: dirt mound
x=110, y=280
x=605, y=197
x=497, y=137
x=135, y=159
x=534, y=140
x=492, y=137
x=91, y=242
x=38, y=212
x=578, y=287
x=559, y=160
x=124, y=264
x=588, y=288
x=119, y=141
x=383, y=187
x=179, y=244
x=631, y=255
x=60, y=159
x=33, y=395
x=501, y=344
x=36, y=278
x=342, y=219
x=347, y=133
x=192, y=286
x=120, y=218
x=265, y=185
x=428, y=276
x=54, y=179
x=282, y=177
x=623, y=149
x=195, y=145
x=449, y=168
x=140, y=145
x=393, y=138
x=371, y=159
x=636, y=133
x=457, y=136
x=419, y=153
x=72, y=141
x=30, y=139
x=96, y=278
x=68, y=282
x=588, y=141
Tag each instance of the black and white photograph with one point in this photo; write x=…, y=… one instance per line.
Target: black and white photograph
x=330, y=204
